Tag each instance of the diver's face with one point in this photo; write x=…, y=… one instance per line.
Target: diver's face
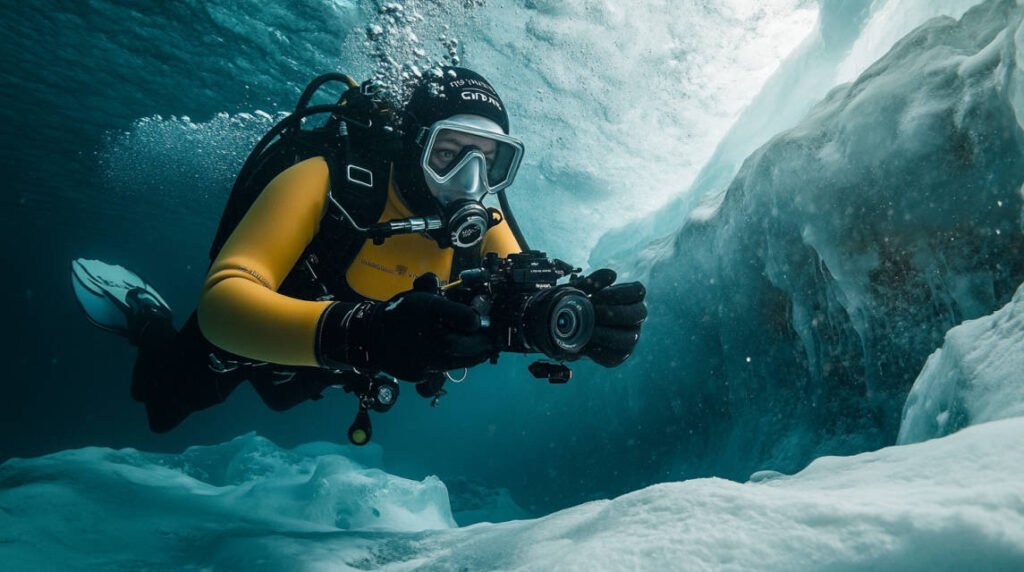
x=450, y=143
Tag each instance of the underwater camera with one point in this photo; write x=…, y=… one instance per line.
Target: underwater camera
x=522, y=308
x=525, y=310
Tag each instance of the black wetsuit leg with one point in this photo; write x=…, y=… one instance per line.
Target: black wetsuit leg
x=173, y=377
x=172, y=374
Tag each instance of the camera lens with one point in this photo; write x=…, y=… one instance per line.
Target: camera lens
x=571, y=320
x=565, y=323
x=559, y=321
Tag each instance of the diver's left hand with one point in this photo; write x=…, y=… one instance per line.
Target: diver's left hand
x=619, y=311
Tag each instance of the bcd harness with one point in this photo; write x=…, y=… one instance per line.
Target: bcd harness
x=358, y=143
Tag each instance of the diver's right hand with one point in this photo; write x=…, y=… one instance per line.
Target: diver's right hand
x=410, y=336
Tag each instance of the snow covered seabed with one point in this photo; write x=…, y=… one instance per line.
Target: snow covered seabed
x=955, y=503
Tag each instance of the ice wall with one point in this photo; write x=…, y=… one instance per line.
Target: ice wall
x=848, y=37
x=976, y=377
x=792, y=322
x=952, y=503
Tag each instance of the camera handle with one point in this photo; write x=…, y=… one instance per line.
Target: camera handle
x=553, y=372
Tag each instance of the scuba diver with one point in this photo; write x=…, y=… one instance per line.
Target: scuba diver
x=361, y=252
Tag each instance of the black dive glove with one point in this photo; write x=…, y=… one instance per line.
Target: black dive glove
x=619, y=312
x=410, y=336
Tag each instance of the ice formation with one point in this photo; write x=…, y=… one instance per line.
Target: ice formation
x=792, y=321
x=976, y=377
x=848, y=37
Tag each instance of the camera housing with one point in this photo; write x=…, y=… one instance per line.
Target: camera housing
x=522, y=309
x=522, y=306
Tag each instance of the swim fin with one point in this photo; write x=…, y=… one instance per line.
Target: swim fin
x=112, y=296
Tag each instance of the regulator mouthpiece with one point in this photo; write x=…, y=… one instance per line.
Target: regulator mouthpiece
x=468, y=222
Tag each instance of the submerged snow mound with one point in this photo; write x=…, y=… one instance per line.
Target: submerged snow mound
x=976, y=377
x=951, y=503
x=81, y=504
x=955, y=503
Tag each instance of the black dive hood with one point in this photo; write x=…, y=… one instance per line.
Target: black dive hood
x=462, y=223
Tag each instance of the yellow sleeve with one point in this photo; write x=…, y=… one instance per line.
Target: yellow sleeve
x=499, y=239
x=240, y=309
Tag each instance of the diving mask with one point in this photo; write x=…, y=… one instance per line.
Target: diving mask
x=466, y=157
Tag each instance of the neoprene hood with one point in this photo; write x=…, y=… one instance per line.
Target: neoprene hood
x=458, y=91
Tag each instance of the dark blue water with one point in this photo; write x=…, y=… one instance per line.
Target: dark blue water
x=75, y=73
